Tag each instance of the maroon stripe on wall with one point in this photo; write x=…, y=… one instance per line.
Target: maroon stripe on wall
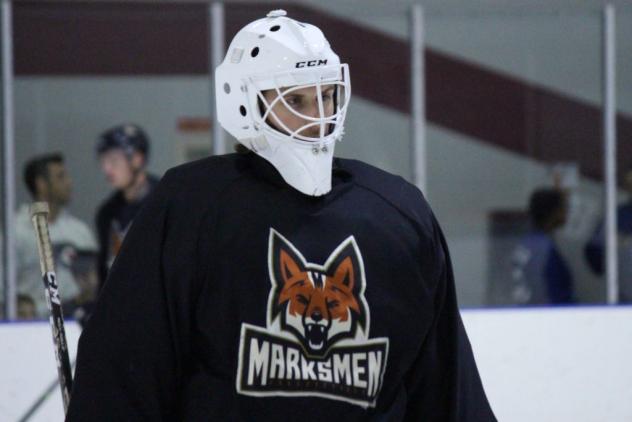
x=69, y=38
x=518, y=116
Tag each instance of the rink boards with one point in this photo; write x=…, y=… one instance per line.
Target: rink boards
x=564, y=364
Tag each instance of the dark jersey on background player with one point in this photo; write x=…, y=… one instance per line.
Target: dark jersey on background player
x=280, y=284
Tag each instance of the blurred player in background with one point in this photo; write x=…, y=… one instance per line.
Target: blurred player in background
x=540, y=274
x=595, y=250
x=123, y=152
x=47, y=179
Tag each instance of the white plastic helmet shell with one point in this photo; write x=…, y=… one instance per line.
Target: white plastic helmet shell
x=282, y=54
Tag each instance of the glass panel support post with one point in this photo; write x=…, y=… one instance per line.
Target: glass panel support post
x=9, y=275
x=217, y=44
x=417, y=95
x=610, y=152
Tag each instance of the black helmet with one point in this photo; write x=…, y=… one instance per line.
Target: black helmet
x=128, y=137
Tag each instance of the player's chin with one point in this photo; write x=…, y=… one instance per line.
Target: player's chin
x=310, y=136
x=117, y=184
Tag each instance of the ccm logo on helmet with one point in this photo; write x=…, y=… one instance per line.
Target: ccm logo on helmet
x=312, y=63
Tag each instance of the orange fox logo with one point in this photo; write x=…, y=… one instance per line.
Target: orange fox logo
x=319, y=305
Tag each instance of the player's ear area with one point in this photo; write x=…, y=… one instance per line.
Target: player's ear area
x=137, y=159
x=41, y=187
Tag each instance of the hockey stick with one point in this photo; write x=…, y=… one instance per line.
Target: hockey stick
x=39, y=217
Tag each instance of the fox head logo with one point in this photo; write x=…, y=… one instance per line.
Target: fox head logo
x=319, y=304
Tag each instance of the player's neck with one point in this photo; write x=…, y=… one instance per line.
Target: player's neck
x=137, y=189
x=53, y=211
x=54, y=208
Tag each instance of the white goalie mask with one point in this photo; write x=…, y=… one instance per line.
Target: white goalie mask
x=283, y=93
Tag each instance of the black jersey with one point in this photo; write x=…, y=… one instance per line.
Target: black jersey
x=113, y=220
x=235, y=297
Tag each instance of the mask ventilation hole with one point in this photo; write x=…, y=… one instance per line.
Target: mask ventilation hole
x=275, y=28
x=242, y=110
x=254, y=52
x=227, y=88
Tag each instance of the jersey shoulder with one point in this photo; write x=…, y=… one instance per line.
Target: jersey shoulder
x=208, y=164
x=391, y=188
x=200, y=182
x=208, y=173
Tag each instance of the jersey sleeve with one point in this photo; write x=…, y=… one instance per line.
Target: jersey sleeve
x=134, y=349
x=444, y=383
